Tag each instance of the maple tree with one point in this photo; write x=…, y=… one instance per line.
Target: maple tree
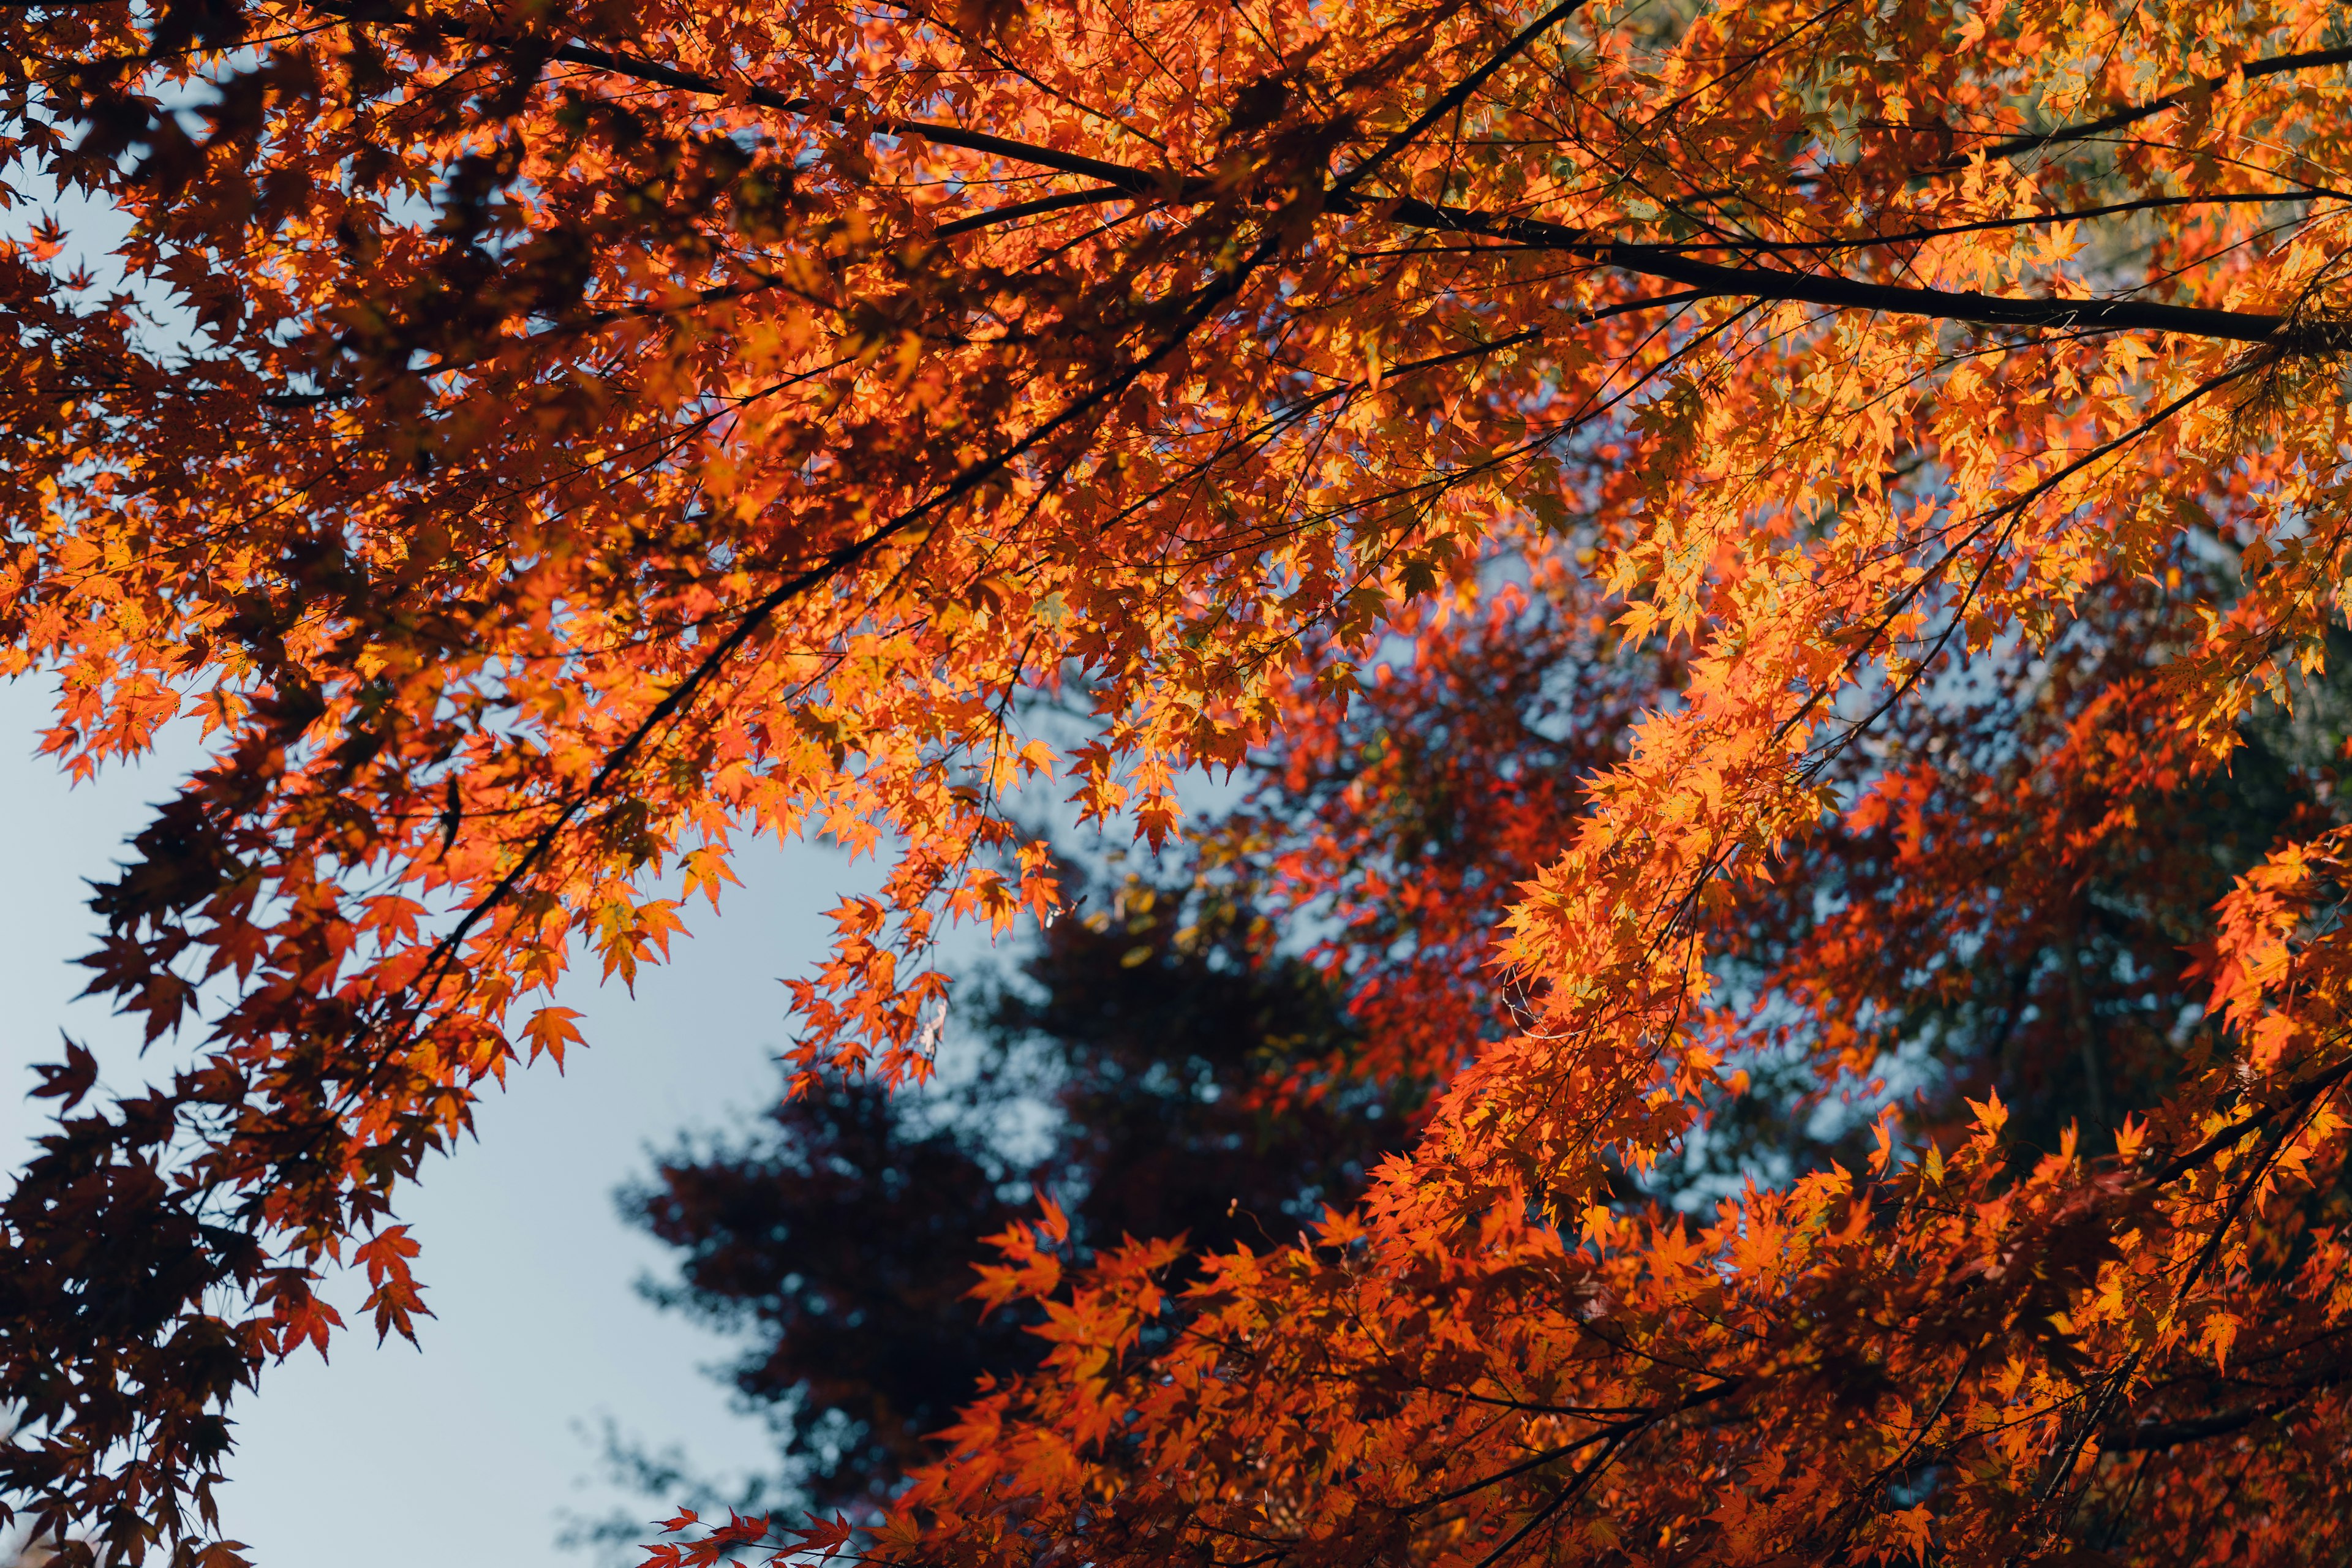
x=603, y=432
x=820, y=1239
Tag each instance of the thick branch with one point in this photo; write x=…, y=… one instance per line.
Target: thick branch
x=1132, y=182
x=2299, y=1096
x=2174, y=1434
x=1855, y=294
x=1119, y=181
x=2310, y=59
x=1458, y=95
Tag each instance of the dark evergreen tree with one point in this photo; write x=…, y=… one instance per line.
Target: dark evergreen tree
x=1121, y=1071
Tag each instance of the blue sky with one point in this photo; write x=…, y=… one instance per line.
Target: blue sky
x=476, y=1446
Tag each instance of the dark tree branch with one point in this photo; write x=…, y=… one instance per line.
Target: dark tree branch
x=1458, y=95
x=1838, y=293
x=1019, y=210
x=2279, y=65
x=2159, y=1435
x=1117, y=181
x=2298, y=1095
x=1754, y=246
x=1855, y=294
x=1132, y=182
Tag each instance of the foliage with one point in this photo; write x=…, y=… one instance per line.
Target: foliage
x=1453, y=760
x=603, y=432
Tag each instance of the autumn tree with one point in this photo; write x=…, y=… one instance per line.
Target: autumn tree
x=594, y=433
x=1443, y=783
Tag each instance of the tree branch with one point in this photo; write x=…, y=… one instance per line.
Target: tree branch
x=2278, y=65
x=2174, y=1434
x=1119, y=179
x=2156, y=1435
x=1132, y=182
x=1855, y=294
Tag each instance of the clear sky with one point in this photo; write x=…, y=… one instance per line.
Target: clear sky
x=474, y=1448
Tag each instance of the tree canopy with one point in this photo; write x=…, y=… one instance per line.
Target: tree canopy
x=1765, y=559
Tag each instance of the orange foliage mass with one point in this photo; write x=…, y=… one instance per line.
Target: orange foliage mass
x=602, y=432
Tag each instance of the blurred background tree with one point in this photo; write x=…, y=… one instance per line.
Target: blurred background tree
x=1221, y=1047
